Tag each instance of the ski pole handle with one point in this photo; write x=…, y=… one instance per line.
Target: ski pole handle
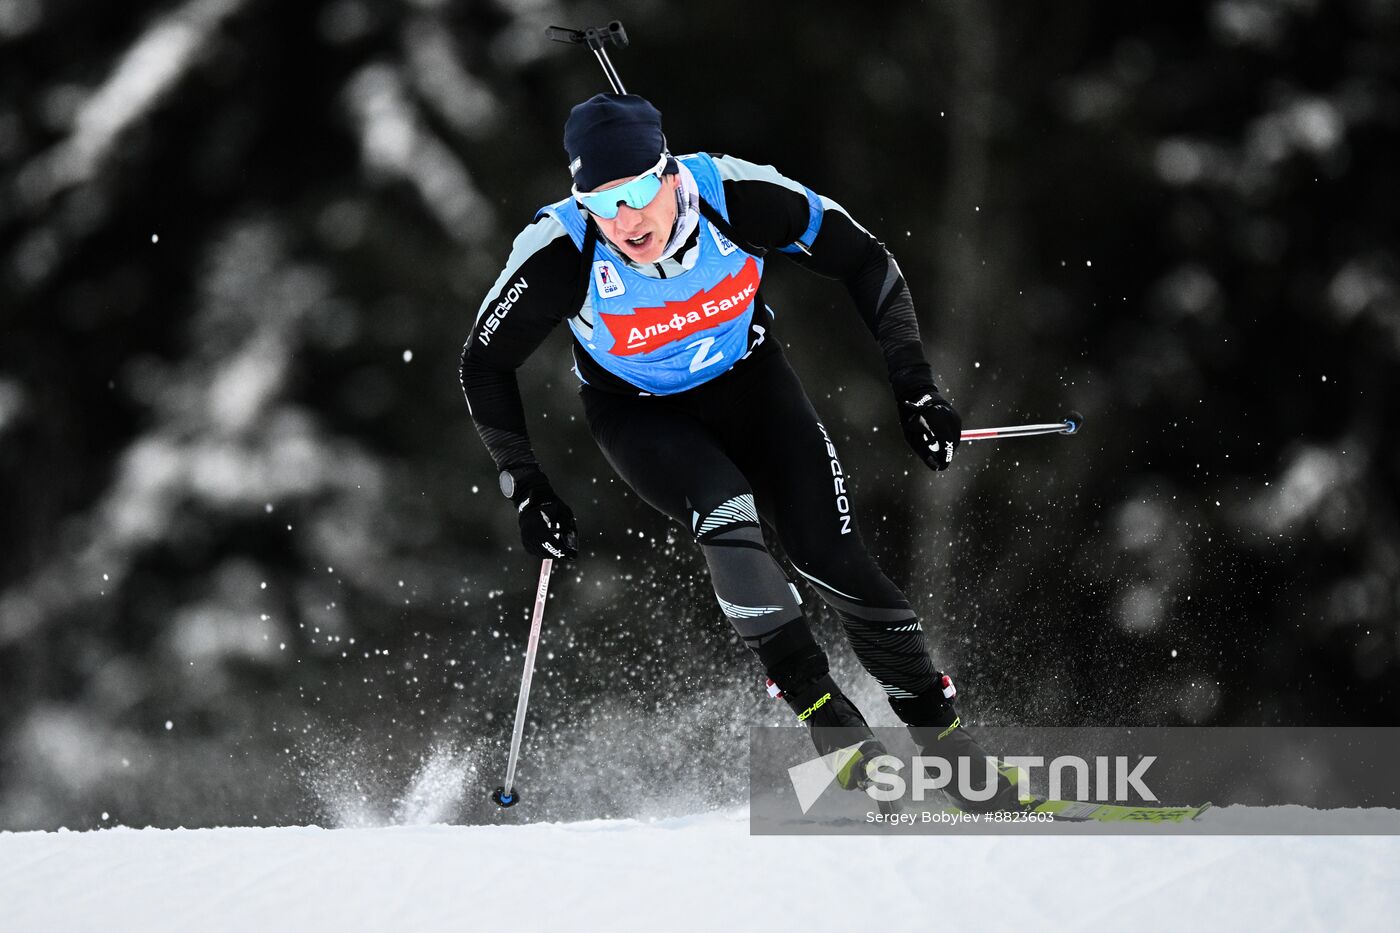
x=1070, y=424
x=505, y=795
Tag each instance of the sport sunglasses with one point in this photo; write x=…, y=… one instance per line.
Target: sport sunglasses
x=636, y=194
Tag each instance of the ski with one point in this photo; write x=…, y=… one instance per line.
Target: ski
x=1083, y=812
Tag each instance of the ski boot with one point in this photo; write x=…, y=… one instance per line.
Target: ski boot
x=957, y=746
x=820, y=705
x=853, y=772
x=837, y=727
x=938, y=732
x=856, y=770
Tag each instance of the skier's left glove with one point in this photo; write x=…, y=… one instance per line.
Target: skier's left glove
x=931, y=425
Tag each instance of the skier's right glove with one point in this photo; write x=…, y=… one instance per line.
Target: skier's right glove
x=932, y=427
x=547, y=527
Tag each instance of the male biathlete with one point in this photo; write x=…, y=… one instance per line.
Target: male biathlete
x=656, y=263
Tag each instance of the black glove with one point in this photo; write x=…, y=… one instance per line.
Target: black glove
x=547, y=527
x=931, y=426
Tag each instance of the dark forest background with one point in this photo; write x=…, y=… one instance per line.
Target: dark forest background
x=254, y=567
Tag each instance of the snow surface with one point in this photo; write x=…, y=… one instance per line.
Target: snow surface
x=701, y=872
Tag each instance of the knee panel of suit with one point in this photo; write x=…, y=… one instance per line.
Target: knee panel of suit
x=752, y=590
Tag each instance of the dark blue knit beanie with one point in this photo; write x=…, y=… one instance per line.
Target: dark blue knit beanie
x=612, y=136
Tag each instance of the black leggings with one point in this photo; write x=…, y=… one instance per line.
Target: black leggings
x=749, y=444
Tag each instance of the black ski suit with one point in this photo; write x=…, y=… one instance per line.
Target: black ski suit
x=743, y=446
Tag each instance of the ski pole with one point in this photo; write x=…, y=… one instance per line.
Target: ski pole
x=505, y=795
x=1070, y=424
x=595, y=38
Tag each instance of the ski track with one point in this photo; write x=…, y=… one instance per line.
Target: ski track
x=701, y=872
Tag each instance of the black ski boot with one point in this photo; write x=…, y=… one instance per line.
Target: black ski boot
x=956, y=745
x=938, y=732
x=836, y=725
